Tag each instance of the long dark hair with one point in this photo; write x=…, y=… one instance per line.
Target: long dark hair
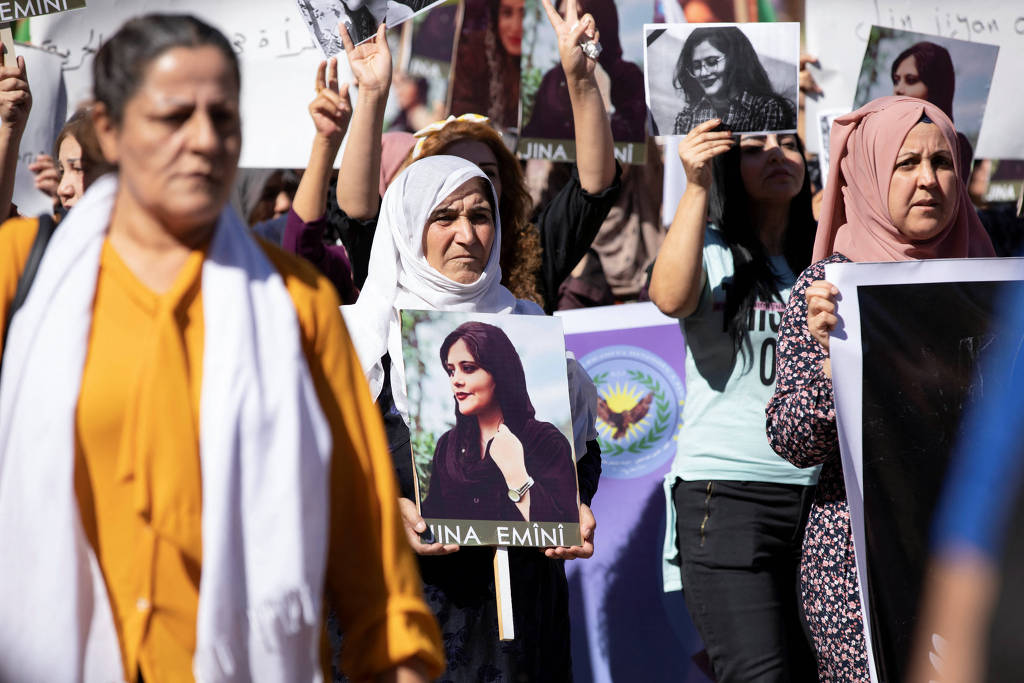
x=753, y=277
x=121, y=62
x=743, y=68
x=494, y=352
x=935, y=68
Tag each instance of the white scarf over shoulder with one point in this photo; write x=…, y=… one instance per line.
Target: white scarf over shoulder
x=264, y=450
x=400, y=278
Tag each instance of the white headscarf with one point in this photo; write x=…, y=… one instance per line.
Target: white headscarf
x=400, y=277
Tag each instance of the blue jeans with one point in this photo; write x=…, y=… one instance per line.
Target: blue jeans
x=740, y=544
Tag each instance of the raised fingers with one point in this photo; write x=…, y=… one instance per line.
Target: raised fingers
x=321, y=77
x=332, y=74
x=584, y=27
x=707, y=127
x=346, y=40
x=553, y=16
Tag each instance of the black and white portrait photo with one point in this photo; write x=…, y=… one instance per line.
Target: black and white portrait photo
x=361, y=18
x=744, y=74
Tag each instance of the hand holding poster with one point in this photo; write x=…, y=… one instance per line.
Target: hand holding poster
x=744, y=74
x=360, y=17
x=904, y=369
x=491, y=428
x=44, y=122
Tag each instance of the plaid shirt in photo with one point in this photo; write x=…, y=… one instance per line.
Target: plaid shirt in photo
x=746, y=113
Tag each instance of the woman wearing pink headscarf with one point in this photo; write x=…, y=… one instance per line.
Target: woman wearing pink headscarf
x=893, y=194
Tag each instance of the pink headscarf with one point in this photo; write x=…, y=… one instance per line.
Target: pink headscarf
x=395, y=148
x=855, y=209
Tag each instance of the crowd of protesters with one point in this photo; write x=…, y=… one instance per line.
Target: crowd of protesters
x=204, y=432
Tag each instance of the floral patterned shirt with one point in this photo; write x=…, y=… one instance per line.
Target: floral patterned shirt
x=801, y=425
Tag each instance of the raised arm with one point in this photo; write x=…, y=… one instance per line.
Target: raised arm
x=359, y=178
x=15, y=104
x=304, y=228
x=678, y=276
x=330, y=111
x=595, y=151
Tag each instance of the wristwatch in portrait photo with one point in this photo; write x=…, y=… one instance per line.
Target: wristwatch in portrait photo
x=516, y=495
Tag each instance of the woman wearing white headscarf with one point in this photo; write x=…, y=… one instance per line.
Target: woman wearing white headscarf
x=437, y=247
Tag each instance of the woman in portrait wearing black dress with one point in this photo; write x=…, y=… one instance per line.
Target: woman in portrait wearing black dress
x=722, y=77
x=498, y=462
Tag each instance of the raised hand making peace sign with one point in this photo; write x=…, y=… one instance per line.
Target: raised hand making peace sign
x=332, y=108
x=573, y=31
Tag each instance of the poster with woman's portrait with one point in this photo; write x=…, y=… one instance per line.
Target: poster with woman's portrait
x=548, y=130
x=485, y=76
x=954, y=75
x=491, y=428
x=431, y=54
x=361, y=18
x=744, y=74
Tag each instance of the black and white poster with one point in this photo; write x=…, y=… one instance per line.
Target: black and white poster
x=904, y=369
x=361, y=18
x=744, y=74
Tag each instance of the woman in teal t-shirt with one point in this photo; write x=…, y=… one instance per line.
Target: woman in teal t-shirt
x=742, y=230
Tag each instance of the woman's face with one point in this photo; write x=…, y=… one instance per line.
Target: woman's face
x=72, y=175
x=459, y=233
x=478, y=153
x=907, y=81
x=771, y=166
x=472, y=385
x=405, y=90
x=708, y=66
x=179, y=138
x=923, y=190
x=282, y=202
x=510, y=25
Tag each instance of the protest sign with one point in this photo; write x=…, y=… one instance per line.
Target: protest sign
x=432, y=51
x=361, y=18
x=744, y=74
x=13, y=10
x=464, y=373
x=277, y=55
x=901, y=62
x=547, y=121
x=486, y=78
x=47, y=117
x=904, y=369
x=826, y=117
x=836, y=32
x=629, y=628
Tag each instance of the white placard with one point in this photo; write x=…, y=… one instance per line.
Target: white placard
x=836, y=32
x=44, y=122
x=503, y=591
x=847, y=371
x=277, y=54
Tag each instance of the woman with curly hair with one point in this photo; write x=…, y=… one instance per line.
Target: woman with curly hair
x=722, y=77
x=538, y=256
